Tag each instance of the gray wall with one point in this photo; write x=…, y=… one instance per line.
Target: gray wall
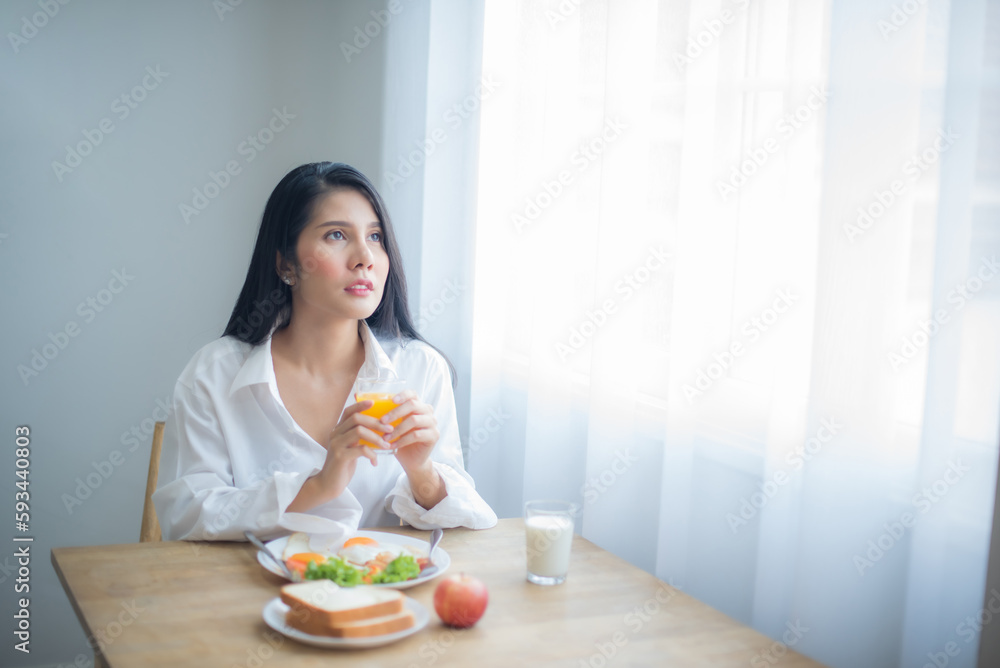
x=64, y=236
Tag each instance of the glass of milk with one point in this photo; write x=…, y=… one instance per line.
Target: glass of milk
x=548, y=529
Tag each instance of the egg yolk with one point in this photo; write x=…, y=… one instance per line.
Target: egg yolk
x=360, y=540
x=305, y=557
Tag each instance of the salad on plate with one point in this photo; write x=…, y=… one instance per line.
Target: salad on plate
x=360, y=560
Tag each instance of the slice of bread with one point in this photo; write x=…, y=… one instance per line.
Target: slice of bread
x=322, y=604
x=363, y=628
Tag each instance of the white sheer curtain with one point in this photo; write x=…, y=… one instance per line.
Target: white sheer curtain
x=735, y=292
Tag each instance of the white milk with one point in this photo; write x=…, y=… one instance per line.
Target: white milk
x=548, y=541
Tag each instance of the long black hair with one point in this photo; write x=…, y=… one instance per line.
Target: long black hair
x=265, y=302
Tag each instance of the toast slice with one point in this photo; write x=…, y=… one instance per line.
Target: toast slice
x=362, y=628
x=321, y=603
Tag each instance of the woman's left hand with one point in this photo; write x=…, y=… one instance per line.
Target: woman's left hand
x=416, y=435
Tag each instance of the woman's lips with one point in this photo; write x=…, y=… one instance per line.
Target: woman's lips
x=360, y=288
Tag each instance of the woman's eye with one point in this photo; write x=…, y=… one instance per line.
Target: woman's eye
x=376, y=236
x=335, y=234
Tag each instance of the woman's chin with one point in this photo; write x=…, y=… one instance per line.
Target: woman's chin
x=358, y=312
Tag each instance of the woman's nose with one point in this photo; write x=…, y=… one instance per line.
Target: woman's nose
x=364, y=255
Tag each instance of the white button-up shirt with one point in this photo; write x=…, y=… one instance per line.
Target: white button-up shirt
x=234, y=459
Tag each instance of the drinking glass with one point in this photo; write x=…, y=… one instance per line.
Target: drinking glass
x=548, y=529
x=381, y=391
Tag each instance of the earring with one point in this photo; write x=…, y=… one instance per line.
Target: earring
x=286, y=280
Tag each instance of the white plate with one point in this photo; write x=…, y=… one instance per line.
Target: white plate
x=441, y=558
x=274, y=616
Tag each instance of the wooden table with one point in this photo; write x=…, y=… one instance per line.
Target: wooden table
x=199, y=604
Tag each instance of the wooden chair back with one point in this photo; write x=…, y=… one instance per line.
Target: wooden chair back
x=150, y=531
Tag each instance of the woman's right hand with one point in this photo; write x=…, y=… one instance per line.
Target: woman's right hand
x=345, y=446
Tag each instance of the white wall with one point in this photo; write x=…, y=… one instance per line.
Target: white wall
x=62, y=240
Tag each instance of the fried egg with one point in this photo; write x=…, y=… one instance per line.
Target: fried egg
x=360, y=555
x=297, y=543
x=358, y=550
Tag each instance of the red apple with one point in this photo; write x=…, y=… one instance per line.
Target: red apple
x=460, y=600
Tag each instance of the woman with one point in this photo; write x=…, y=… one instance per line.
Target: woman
x=264, y=434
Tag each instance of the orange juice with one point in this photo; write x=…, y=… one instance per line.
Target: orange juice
x=383, y=404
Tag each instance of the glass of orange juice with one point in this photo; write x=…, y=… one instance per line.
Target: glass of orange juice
x=381, y=391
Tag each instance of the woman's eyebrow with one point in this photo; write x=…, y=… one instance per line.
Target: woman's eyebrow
x=341, y=223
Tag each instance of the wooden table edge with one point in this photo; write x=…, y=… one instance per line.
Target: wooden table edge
x=100, y=661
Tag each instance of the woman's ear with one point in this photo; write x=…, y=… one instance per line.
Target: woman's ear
x=285, y=269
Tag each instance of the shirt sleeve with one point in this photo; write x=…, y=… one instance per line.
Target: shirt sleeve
x=462, y=506
x=198, y=500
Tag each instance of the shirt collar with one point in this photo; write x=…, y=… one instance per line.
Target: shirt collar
x=258, y=368
x=377, y=364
